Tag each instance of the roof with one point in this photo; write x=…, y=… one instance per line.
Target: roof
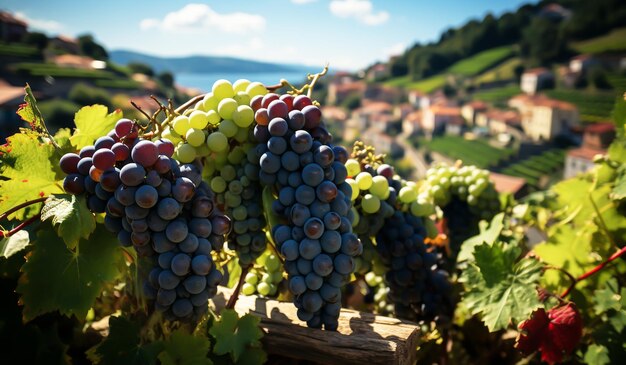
x=66, y=39
x=506, y=116
x=350, y=87
x=477, y=104
x=506, y=183
x=582, y=57
x=379, y=67
x=542, y=100
x=74, y=60
x=9, y=93
x=585, y=153
x=334, y=112
x=537, y=71
x=414, y=117
x=445, y=110
x=375, y=107
x=6, y=17
x=601, y=127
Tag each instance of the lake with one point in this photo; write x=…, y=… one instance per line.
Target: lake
x=205, y=81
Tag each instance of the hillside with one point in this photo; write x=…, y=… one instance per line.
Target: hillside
x=201, y=64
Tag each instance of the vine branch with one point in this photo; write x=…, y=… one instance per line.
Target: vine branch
x=23, y=205
x=7, y=234
x=589, y=273
x=233, y=298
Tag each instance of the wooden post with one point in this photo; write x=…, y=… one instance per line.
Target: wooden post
x=362, y=338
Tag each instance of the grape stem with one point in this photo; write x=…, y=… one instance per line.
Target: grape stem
x=23, y=205
x=589, y=273
x=7, y=234
x=233, y=298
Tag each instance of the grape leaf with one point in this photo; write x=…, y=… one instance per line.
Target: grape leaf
x=70, y=216
x=234, y=272
x=252, y=356
x=29, y=174
x=93, y=122
x=597, y=355
x=123, y=345
x=619, y=190
x=498, y=288
x=30, y=113
x=185, y=349
x=610, y=304
x=234, y=335
x=489, y=233
x=14, y=244
x=57, y=278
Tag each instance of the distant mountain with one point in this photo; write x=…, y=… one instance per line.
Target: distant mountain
x=202, y=64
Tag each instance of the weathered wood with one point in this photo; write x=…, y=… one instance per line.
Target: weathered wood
x=362, y=338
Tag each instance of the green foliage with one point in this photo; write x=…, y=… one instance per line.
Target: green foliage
x=426, y=85
x=140, y=68
x=90, y=48
x=504, y=71
x=495, y=95
x=610, y=304
x=184, y=349
x=471, y=152
x=124, y=346
x=236, y=336
x=166, y=78
x=83, y=94
x=70, y=217
x=352, y=102
x=544, y=41
x=37, y=39
x=72, y=279
x=489, y=234
x=14, y=244
x=28, y=173
x=92, y=122
x=597, y=355
x=481, y=61
x=593, y=106
x=499, y=287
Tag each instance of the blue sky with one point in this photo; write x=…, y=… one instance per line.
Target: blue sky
x=349, y=34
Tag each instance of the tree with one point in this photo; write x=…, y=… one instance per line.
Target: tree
x=83, y=94
x=544, y=41
x=90, y=48
x=141, y=68
x=36, y=39
x=167, y=78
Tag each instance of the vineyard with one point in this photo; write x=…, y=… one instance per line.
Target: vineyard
x=231, y=230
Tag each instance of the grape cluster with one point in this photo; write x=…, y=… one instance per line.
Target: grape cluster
x=465, y=195
x=162, y=209
x=417, y=287
x=265, y=276
x=221, y=126
x=313, y=203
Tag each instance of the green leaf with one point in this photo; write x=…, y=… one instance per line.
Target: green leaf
x=123, y=345
x=28, y=172
x=498, y=288
x=70, y=216
x=597, y=355
x=252, y=356
x=30, y=113
x=610, y=304
x=487, y=235
x=57, y=278
x=234, y=272
x=185, y=349
x=234, y=335
x=93, y=122
x=14, y=244
x=619, y=190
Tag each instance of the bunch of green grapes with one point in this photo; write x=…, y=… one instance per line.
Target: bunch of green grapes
x=220, y=129
x=264, y=276
x=378, y=290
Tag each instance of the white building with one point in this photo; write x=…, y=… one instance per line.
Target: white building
x=535, y=79
x=544, y=118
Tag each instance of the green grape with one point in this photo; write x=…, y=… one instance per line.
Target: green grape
x=251, y=278
x=407, y=194
x=209, y=102
x=218, y=184
x=228, y=127
x=240, y=213
x=255, y=88
x=272, y=263
x=364, y=180
x=195, y=137
x=422, y=209
x=277, y=276
x=240, y=85
x=181, y=124
x=264, y=288
x=357, y=217
x=243, y=116
x=248, y=289
x=242, y=98
x=372, y=279
x=223, y=89
x=203, y=150
x=353, y=167
x=236, y=156
x=199, y=106
x=171, y=135
x=212, y=117
x=226, y=108
x=228, y=173
x=380, y=187
x=431, y=229
x=186, y=153
x=370, y=203
x=209, y=166
x=198, y=120
x=241, y=135
x=217, y=142
x=355, y=188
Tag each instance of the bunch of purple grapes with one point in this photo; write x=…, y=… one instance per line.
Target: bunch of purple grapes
x=162, y=209
x=419, y=289
x=308, y=176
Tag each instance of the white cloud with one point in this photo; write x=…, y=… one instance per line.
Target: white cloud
x=300, y=2
x=362, y=10
x=395, y=49
x=40, y=24
x=200, y=17
x=244, y=50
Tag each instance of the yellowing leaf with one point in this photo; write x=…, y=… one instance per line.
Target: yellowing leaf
x=185, y=349
x=57, y=278
x=70, y=216
x=29, y=173
x=93, y=122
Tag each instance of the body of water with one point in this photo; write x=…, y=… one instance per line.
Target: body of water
x=204, y=81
